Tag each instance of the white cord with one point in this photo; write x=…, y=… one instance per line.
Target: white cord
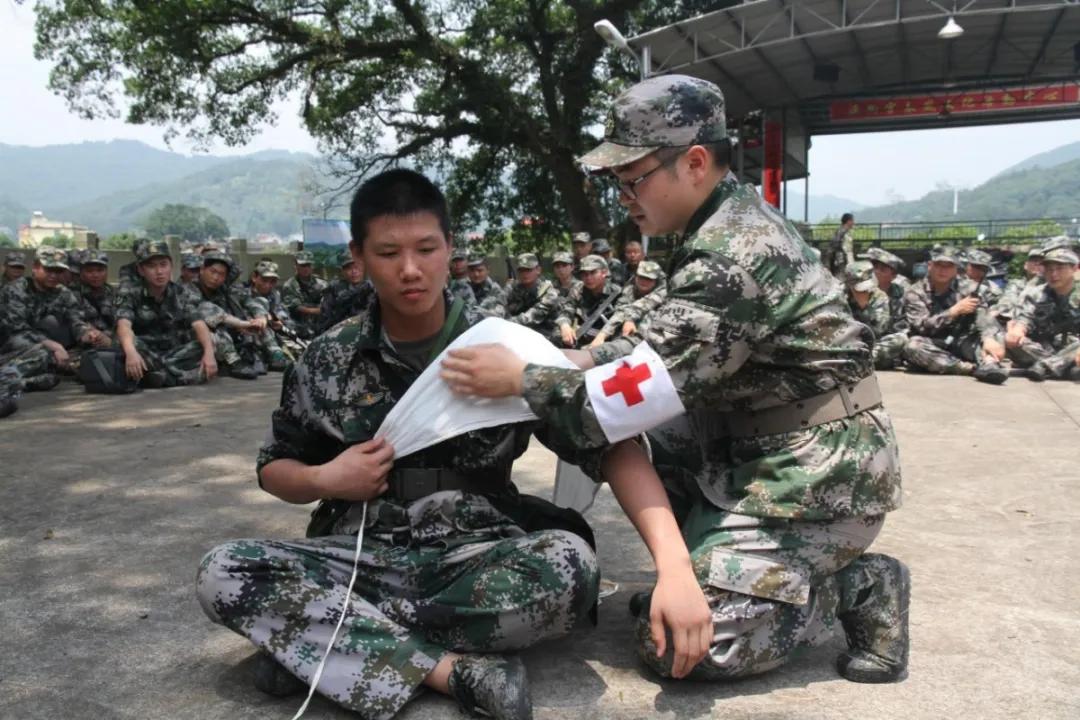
x=344, y=609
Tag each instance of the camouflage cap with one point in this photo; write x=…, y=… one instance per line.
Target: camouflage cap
x=876, y=254
x=581, y=237
x=1035, y=253
x=476, y=260
x=663, y=111
x=649, y=269
x=191, y=261
x=1062, y=255
x=562, y=257
x=1059, y=241
x=859, y=276
x=51, y=257
x=15, y=260
x=266, y=269
x=593, y=262
x=216, y=256
x=528, y=261
x=458, y=254
x=95, y=257
x=978, y=257
x=75, y=258
x=945, y=253
x=151, y=249
x=304, y=258
x=600, y=245
x=345, y=258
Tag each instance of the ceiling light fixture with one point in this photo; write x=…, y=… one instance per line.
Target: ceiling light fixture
x=951, y=30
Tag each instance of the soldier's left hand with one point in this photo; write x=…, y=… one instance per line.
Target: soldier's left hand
x=492, y=370
x=1078, y=359
x=994, y=349
x=629, y=328
x=678, y=604
x=208, y=366
x=257, y=324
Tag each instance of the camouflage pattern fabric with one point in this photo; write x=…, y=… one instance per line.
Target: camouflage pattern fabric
x=11, y=383
x=565, y=290
x=877, y=315
x=618, y=272
x=343, y=300
x=297, y=293
x=841, y=251
x=29, y=363
x=580, y=303
x=634, y=307
x=535, y=307
x=163, y=325
x=941, y=344
x=1053, y=329
x=1009, y=302
x=23, y=306
x=98, y=306
x=450, y=571
x=275, y=309
x=490, y=298
x=460, y=288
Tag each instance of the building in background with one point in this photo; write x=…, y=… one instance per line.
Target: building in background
x=42, y=231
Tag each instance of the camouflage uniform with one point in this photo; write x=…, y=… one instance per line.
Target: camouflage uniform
x=564, y=290
x=841, y=251
x=460, y=288
x=938, y=343
x=490, y=298
x=297, y=293
x=776, y=524
x=478, y=571
x=342, y=300
x=534, y=307
x=98, y=306
x=634, y=307
x=1009, y=303
x=1052, y=340
x=877, y=315
x=11, y=388
x=215, y=306
x=13, y=259
x=286, y=338
x=581, y=303
x=616, y=268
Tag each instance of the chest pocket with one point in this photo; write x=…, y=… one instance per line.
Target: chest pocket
x=364, y=415
x=677, y=324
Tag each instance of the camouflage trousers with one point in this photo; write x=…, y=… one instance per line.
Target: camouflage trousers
x=1057, y=362
x=773, y=585
x=11, y=383
x=888, y=350
x=446, y=573
x=931, y=355
x=29, y=361
x=178, y=365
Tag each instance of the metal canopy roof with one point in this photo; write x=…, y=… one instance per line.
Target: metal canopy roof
x=763, y=54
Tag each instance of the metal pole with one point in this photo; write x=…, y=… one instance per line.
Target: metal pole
x=783, y=159
x=806, y=179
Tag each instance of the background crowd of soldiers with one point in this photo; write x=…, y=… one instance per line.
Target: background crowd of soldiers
x=157, y=332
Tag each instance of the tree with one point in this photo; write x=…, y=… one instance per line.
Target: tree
x=495, y=97
x=7, y=242
x=118, y=241
x=194, y=224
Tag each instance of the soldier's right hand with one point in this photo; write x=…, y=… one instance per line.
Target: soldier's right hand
x=598, y=340
x=134, y=366
x=966, y=306
x=567, y=336
x=1014, y=336
x=359, y=473
x=629, y=328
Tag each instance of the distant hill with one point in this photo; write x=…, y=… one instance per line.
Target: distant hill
x=1048, y=159
x=821, y=206
x=1032, y=193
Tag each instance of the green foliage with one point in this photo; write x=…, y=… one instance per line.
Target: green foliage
x=118, y=241
x=60, y=241
x=7, y=242
x=194, y=224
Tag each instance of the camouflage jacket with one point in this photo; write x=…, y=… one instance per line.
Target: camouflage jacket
x=582, y=302
x=163, y=325
x=490, y=298
x=1009, y=303
x=98, y=308
x=342, y=300
x=1050, y=318
x=346, y=382
x=875, y=315
x=895, y=294
x=271, y=302
x=535, y=307
x=634, y=308
x=927, y=314
x=232, y=300
x=617, y=271
x=564, y=292
x=23, y=305
x=295, y=293
x=460, y=288
x=752, y=320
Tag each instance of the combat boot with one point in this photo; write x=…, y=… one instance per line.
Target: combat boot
x=876, y=590
x=494, y=684
x=8, y=405
x=243, y=371
x=991, y=373
x=273, y=679
x=1037, y=372
x=44, y=381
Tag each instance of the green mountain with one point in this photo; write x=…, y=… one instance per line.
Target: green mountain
x=1036, y=192
x=1048, y=159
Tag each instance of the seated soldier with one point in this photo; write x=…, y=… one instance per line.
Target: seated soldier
x=589, y=306
x=635, y=303
x=977, y=265
x=280, y=332
x=531, y=300
x=870, y=306
x=41, y=321
x=616, y=269
x=1009, y=301
x=14, y=268
x=562, y=267
x=190, y=266
x=1045, y=337
x=237, y=321
x=456, y=567
x=581, y=246
x=302, y=295
x=951, y=329
x=96, y=296
x=490, y=298
x=346, y=295
x=156, y=320
x=459, y=277
x=634, y=253
x=11, y=387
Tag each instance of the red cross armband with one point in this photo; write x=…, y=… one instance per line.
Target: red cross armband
x=632, y=394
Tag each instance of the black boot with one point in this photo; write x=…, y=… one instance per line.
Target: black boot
x=1037, y=372
x=494, y=684
x=991, y=373
x=44, y=381
x=8, y=405
x=877, y=591
x=273, y=679
x=242, y=371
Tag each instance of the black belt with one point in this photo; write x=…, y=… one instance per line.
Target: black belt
x=409, y=484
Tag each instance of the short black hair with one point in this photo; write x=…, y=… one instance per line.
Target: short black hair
x=398, y=192
x=721, y=151
x=846, y=217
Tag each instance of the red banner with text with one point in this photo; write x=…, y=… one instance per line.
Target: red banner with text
x=962, y=103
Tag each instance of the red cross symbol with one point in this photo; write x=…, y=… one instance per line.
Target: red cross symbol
x=626, y=380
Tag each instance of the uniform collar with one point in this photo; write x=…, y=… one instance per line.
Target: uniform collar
x=723, y=190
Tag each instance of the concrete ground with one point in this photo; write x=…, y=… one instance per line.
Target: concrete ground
x=109, y=502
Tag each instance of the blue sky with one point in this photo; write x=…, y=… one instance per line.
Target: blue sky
x=871, y=168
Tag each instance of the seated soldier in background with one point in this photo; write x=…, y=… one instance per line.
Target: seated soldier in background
x=951, y=330
x=39, y=312
x=190, y=266
x=889, y=280
x=346, y=295
x=589, y=306
x=490, y=298
x=459, y=277
x=562, y=267
x=97, y=297
x=633, y=253
x=977, y=265
x=870, y=306
x=302, y=295
x=14, y=268
x=74, y=261
x=532, y=300
x=156, y=322
x=635, y=303
x=616, y=270
x=237, y=321
x=581, y=247
x=1045, y=336
x=280, y=331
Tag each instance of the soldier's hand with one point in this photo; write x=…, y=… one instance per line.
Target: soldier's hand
x=629, y=328
x=994, y=349
x=965, y=306
x=582, y=358
x=491, y=370
x=208, y=366
x=134, y=366
x=359, y=473
x=1014, y=336
x=257, y=324
x=1078, y=359
x=567, y=336
x=679, y=605
x=598, y=340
